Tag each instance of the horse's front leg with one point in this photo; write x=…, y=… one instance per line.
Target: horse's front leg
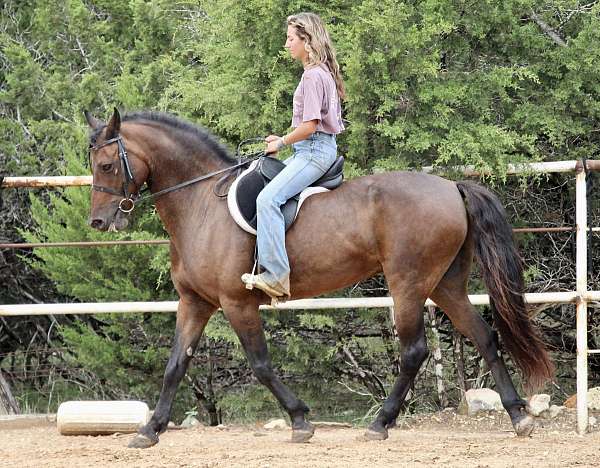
x=192, y=316
x=247, y=324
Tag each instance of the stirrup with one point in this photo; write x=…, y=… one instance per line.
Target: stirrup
x=251, y=281
x=250, y=284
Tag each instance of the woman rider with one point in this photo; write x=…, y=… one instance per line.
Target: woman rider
x=316, y=121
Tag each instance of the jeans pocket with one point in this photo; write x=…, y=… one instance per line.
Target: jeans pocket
x=322, y=155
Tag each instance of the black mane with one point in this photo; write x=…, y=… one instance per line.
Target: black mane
x=169, y=120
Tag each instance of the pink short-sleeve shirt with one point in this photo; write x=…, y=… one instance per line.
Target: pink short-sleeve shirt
x=316, y=97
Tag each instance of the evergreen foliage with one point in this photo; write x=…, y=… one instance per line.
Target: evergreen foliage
x=440, y=82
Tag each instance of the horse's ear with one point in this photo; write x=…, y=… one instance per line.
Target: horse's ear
x=92, y=121
x=114, y=125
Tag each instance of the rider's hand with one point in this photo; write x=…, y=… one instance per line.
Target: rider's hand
x=272, y=145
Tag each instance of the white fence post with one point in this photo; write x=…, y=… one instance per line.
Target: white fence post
x=581, y=272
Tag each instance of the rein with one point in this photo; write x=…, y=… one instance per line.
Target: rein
x=128, y=202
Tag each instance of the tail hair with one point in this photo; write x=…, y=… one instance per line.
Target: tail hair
x=502, y=271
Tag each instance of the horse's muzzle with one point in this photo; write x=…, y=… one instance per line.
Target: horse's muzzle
x=118, y=223
x=99, y=224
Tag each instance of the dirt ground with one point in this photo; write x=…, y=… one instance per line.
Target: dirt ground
x=439, y=439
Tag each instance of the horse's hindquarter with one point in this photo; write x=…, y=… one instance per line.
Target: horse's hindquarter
x=414, y=220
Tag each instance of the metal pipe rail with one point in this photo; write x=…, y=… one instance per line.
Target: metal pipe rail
x=526, y=168
x=469, y=171
x=84, y=244
x=14, y=310
x=46, y=181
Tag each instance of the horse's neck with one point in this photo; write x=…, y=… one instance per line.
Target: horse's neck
x=188, y=206
x=171, y=165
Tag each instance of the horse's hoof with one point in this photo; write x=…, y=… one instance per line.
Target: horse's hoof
x=372, y=434
x=525, y=426
x=303, y=434
x=142, y=441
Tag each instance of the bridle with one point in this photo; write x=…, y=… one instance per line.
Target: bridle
x=129, y=200
x=127, y=203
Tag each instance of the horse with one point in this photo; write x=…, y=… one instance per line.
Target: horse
x=420, y=230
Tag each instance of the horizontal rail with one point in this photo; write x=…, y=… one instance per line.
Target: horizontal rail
x=37, y=245
x=50, y=181
x=544, y=230
x=9, y=310
x=33, y=245
x=525, y=168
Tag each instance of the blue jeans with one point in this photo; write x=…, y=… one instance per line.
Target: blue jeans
x=311, y=159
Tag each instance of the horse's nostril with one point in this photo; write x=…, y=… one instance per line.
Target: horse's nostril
x=97, y=223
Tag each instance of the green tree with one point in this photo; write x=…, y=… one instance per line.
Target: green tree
x=440, y=82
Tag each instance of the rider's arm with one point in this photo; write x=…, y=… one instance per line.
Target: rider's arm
x=301, y=132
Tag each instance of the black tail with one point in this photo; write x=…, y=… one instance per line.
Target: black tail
x=502, y=272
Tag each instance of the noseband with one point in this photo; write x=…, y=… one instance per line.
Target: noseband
x=127, y=203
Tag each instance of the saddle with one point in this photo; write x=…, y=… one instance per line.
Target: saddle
x=241, y=198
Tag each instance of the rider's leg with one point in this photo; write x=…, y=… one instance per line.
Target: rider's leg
x=311, y=160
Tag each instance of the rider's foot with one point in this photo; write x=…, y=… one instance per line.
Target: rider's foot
x=258, y=281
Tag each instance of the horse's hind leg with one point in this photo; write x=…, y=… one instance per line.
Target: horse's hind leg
x=451, y=296
x=408, y=314
x=247, y=324
x=192, y=316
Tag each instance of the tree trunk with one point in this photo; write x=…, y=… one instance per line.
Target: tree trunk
x=482, y=374
x=206, y=398
x=207, y=403
x=437, y=357
x=8, y=404
x=394, y=354
x=459, y=362
x=210, y=405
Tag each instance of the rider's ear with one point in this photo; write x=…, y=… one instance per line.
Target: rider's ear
x=114, y=125
x=93, y=122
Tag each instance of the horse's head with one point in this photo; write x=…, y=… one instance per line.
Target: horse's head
x=117, y=174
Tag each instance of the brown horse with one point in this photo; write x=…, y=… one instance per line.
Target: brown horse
x=413, y=227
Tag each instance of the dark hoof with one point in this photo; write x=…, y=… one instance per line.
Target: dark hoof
x=524, y=426
x=142, y=441
x=373, y=434
x=303, y=434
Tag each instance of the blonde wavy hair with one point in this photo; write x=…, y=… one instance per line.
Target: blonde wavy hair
x=311, y=29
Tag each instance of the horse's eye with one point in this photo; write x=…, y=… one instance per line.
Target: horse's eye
x=106, y=167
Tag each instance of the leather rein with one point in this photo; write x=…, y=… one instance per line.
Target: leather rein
x=129, y=200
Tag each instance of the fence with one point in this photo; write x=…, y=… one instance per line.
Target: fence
x=581, y=296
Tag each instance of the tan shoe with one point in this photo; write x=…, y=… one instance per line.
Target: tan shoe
x=251, y=281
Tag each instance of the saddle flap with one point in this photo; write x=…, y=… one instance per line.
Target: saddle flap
x=270, y=167
x=242, y=195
